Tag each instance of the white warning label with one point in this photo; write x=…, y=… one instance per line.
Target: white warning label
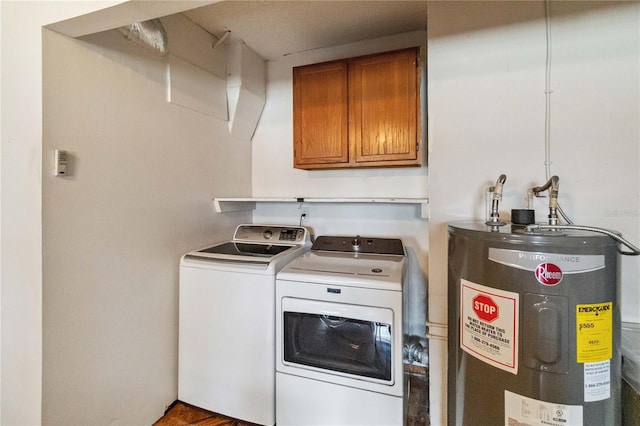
x=597, y=381
x=489, y=325
x=522, y=411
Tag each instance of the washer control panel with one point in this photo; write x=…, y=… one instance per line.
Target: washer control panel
x=269, y=233
x=358, y=244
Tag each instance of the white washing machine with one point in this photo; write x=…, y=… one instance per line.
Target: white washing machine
x=339, y=334
x=226, y=321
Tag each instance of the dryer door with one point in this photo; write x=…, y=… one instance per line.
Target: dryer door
x=350, y=341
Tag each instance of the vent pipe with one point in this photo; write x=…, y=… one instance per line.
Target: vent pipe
x=150, y=34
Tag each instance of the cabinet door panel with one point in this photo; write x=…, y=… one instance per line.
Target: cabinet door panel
x=320, y=114
x=383, y=107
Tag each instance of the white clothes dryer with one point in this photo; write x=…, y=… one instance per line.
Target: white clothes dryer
x=339, y=334
x=226, y=321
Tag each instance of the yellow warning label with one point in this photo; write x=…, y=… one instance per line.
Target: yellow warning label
x=594, y=332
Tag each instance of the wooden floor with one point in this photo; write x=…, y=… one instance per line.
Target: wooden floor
x=416, y=394
x=181, y=414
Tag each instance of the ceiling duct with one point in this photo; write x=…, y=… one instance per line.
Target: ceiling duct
x=150, y=34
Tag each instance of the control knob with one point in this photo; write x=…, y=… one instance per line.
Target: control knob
x=355, y=243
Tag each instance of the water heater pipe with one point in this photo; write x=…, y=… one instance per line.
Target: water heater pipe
x=547, y=110
x=494, y=218
x=553, y=186
x=635, y=251
x=547, y=94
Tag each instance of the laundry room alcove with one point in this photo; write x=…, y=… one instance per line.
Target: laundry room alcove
x=386, y=217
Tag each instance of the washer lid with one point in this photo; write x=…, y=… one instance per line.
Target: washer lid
x=237, y=252
x=256, y=244
x=247, y=249
x=358, y=270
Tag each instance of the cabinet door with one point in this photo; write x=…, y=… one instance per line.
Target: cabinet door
x=320, y=118
x=383, y=109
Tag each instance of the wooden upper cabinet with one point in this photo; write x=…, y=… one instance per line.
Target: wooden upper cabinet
x=383, y=108
x=358, y=112
x=320, y=130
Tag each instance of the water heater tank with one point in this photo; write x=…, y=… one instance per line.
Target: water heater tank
x=534, y=327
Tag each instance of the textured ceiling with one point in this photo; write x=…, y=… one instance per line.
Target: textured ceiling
x=277, y=28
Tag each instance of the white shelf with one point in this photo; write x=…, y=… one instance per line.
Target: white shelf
x=223, y=205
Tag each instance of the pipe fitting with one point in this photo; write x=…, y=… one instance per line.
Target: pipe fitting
x=494, y=217
x=553, y=186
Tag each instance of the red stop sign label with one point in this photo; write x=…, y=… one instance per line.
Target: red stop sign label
x=485, y=308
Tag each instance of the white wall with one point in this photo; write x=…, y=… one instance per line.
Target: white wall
x=21, y=271
x=22, y=234
x=140, y=195
x=274, y=176
x=486, y=112
x=273, y=172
